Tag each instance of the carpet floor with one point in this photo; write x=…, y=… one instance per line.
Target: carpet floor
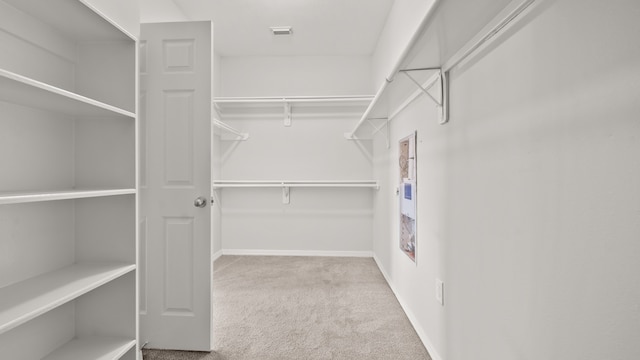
x=304, y=308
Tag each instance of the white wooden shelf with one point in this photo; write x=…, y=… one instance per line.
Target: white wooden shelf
x=25, y=197
x=33, y=297
x=22, y=90
x=95, y=348
x=88, y=23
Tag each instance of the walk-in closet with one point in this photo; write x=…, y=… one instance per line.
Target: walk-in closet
x=319, y=179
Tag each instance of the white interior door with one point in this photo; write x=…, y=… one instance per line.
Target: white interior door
x=176, y=276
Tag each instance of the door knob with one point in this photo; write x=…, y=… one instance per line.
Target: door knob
x=200, y=202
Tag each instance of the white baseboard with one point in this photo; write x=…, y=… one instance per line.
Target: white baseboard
x=217, y=254
x=256, y=252
x=412, y=318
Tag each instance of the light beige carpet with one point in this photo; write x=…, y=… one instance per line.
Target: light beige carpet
x=304, y=308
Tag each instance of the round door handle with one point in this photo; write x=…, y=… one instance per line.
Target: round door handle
x=200, y=202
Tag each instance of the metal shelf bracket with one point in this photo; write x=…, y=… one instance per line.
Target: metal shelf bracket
x=443, y=101
x=221, y=125
x=286, y=198
x=287, y=113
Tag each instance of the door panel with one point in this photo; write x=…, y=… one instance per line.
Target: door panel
x=178, y=138
x=179, y=269
x=177, y=278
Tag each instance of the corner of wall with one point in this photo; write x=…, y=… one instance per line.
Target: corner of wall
x=422, y=334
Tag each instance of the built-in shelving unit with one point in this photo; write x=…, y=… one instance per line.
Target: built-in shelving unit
x=68, y=189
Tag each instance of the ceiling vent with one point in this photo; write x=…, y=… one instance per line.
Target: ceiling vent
x=281, y=30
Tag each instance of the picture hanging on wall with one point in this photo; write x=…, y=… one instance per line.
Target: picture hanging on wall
x=407, y=194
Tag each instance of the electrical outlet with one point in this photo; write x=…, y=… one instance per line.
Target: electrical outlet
x=440, y=292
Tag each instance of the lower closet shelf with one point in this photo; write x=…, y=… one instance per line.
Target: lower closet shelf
x=33, y=297
x=95, y=348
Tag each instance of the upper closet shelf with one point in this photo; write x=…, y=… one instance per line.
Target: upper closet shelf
x=441, y=42
x=21, y=90
x=89, y=24
x=223, y=104
x=26, y=197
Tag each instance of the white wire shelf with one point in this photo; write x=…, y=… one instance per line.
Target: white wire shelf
x=219, y=184
x=286, y=102
x=511, y=14
x=292, y=99
x=286, y=185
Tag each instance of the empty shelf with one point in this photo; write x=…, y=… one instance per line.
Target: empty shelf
x=95, y=348
x=295, y=183
x=25, y=197
x=293, y=99
x=88, y=23
x=33, y=297
x=21, y=90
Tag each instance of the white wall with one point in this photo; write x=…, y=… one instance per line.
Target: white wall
x=528, y=199
x=313, y=148
x=125, y=13
x=296, y=75
x=160, y=11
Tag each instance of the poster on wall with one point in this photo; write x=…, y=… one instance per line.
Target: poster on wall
x=407, y=194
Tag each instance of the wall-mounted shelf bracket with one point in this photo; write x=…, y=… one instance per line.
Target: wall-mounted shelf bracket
x=442, y=101
x=221, y=125
x=287, y=113
x=286, y=199
x=378, y=128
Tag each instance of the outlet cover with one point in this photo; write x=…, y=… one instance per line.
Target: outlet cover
x=440, y=292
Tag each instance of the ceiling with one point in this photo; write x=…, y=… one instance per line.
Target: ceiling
x=320, y=27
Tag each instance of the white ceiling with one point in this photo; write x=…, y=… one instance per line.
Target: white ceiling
x=320, y=27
